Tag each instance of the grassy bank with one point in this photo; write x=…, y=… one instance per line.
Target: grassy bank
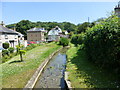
x=84, y=74
x=15, y=74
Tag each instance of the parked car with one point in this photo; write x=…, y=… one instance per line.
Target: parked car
x=28, y=43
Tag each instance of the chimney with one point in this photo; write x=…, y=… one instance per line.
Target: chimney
x=2, y=23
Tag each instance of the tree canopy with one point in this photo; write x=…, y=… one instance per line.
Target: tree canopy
x=25, y=25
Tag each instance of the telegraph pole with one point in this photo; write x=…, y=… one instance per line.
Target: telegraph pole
x=88, y=21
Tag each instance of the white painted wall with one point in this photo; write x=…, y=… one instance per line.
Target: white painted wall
x=6, y=39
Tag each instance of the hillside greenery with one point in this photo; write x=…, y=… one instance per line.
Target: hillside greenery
x=25, y=25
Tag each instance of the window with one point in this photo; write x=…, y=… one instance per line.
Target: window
x=15, y=36
x=6, y=36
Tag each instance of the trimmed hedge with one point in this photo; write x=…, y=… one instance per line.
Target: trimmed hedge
x=5, y=45
x=11, y=49
x=102, y=43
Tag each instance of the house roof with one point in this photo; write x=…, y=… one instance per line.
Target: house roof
x=58, y=29
x=6, y=30
x=19, y=34
x=53, y=32
x=36, y=29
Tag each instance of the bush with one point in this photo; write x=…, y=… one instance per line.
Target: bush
x=6, y=45
x=102, y=44
x=64, y=41
x=78, y=39
x=5, y=52
x=5, y=58
x=74, y=40
x=11, y=49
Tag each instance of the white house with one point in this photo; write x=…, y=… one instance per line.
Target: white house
x=54, y=34
x=8, y=36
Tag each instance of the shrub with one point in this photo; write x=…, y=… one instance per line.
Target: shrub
x=5, y=52
x=74, y=39
x=81, y=38
x=5, y=58
x=6, y=45
x=102, y=44
x=11, y=49
x=64, y=41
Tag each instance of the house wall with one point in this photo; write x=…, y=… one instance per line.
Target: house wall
x=53, y=37
x=117, y=11
x=35, y=36
x=8, y=38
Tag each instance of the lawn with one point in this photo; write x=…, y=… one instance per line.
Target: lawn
x=83, y=74
x=15, y=74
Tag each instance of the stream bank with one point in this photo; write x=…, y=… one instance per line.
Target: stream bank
x=53, y=74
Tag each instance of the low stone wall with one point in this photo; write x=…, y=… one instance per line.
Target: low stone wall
x=68, y=83
x=31, y=83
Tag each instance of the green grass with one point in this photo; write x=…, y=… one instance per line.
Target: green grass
x=15, y=74
x=84, y=74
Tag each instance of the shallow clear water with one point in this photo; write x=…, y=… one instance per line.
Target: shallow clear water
x=53, y=74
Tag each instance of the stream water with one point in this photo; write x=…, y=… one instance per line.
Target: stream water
x=53, y=74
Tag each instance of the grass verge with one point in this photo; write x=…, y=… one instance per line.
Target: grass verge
x=83, y=74
x=15, y=74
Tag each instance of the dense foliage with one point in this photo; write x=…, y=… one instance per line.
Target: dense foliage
x=64, y=41
x=11, y=49
x=102, y=43
x=5, y=52
x=25, y=25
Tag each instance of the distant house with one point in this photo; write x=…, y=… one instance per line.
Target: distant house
x=54, y=34
x=36, y=35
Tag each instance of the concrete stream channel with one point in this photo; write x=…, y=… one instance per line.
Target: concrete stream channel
x=53, y=73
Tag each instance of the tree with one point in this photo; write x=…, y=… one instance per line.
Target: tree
x=23, y=26
x=69, y=26
x=20, y=51
x=82, y=27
